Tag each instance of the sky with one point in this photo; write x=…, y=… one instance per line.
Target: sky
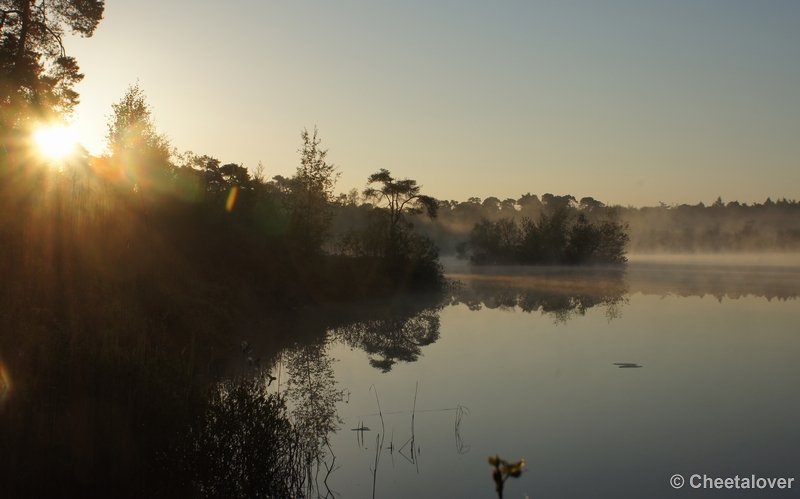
x=632, y=103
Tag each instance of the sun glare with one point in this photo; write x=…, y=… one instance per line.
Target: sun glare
x=56, y=142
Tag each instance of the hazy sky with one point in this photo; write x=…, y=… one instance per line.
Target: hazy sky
x=629, y=102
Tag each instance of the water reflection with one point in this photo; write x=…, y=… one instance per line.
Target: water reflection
x=565, y=293
x=398, y=333
x=396, y=336
x=561, y=295
x=720, y=282
x=253, y=442
x=247, y=446
x=311, y=388
x=399, y=330
x=402, y=434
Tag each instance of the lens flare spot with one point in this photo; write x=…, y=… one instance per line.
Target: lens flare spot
x=55, y=142
x=5, y=383
x=231, y=198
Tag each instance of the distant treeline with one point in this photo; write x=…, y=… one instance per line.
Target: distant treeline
x=719, y=227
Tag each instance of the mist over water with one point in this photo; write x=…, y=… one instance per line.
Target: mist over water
x=732, y=276
x=535, y=363
x=749, y=259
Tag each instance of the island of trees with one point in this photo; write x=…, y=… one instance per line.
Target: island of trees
x=561, y=235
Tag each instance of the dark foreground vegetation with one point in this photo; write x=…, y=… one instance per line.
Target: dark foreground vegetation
x=125, y=276
x=122, y=274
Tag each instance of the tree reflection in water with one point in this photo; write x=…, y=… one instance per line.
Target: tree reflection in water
x=400, y=333
x=561, y=295
x=397, y=336
x=258, y=444
x=246, y=445
x=311, y=389
x=253, y=443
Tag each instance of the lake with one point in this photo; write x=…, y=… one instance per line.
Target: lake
x=606, y=382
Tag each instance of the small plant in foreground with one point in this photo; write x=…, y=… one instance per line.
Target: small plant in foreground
x=502, y=470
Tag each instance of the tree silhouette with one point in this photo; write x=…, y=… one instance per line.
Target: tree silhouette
x=35, y=71
x=138, y=152
x=401, y=255
x=309, y=196
x=398, y=197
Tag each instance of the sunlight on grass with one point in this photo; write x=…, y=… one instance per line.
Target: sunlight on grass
x=56, y=142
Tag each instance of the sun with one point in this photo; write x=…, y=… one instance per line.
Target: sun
x=56, y=142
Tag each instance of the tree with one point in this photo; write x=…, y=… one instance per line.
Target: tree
x=495, y=242
x=397, y=197
x=544, y=241
x=135, y=147
x=401, y=255
x=614, y=238
x=529, y=205
x=131, y=125
x=553, y=203
x=309, y=196
x=36, y=75
x=557, y=237
x=584, y=241
x=590, y=204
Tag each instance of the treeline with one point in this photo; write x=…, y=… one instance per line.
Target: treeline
x=146, y=202
x=772, y=226
x=718, y=227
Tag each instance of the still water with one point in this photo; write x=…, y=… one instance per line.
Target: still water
x=606, y=382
